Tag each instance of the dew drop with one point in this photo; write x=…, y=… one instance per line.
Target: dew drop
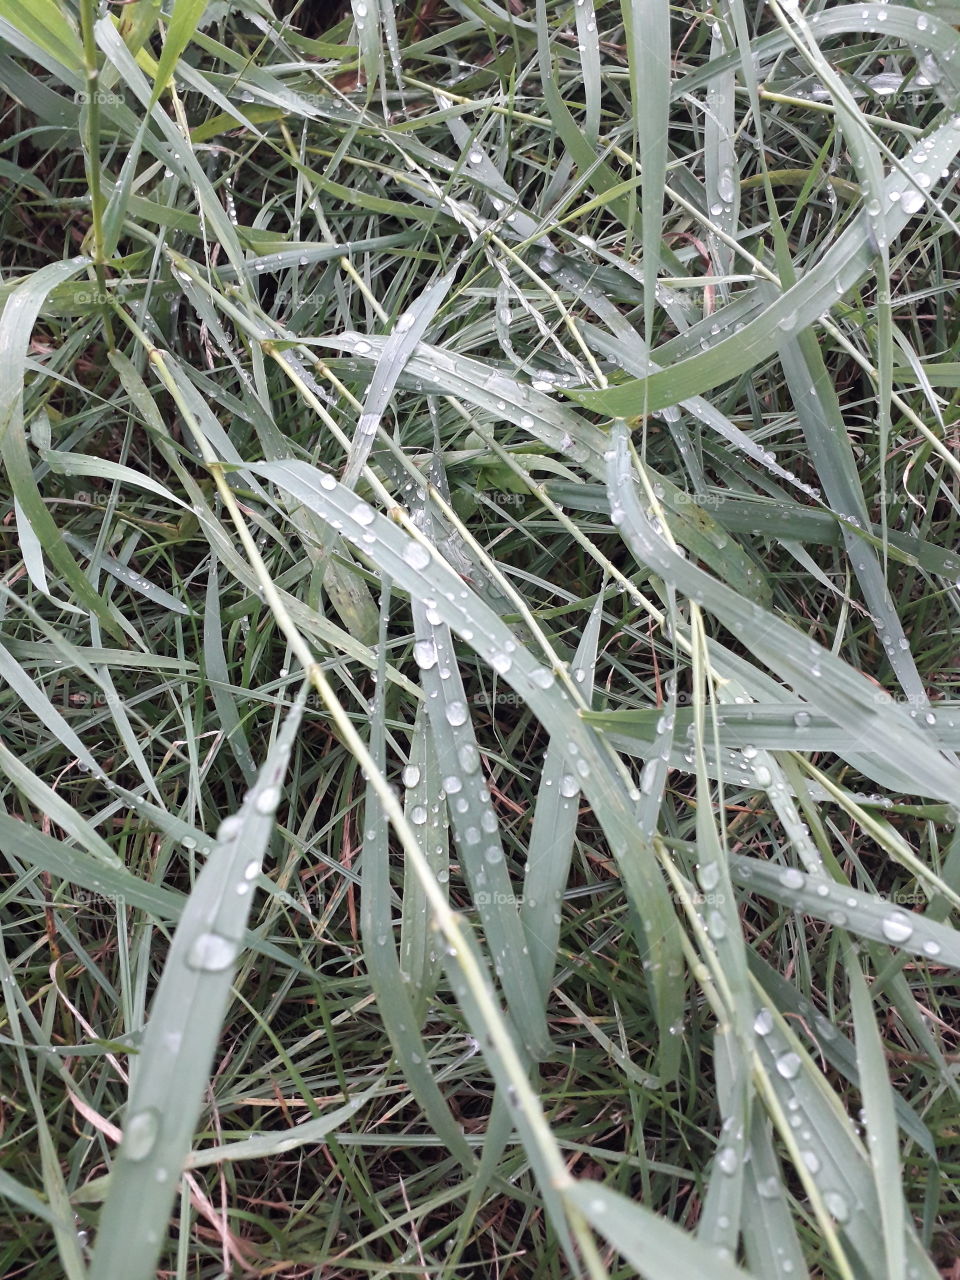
x=456, y=713
x=763, y=1022
x=212, y=953
x=140, y=1134
x=911, y=201
x=425, y=654
x=229, y=828
x=416, y=556
x=896, y=927
x=709, y=875
x=267, y=801
x=837, y=1206
x=727, y=1160
x=788, y=1064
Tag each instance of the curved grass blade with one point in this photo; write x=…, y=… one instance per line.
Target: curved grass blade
x=550, y=850
x=828, y=683
x=185, y=1021
x=419, y=958
x=379, y=945
x=851, y=909
x=424, y=575
x=839, y=269
x=651, y=1244
x=475, y=826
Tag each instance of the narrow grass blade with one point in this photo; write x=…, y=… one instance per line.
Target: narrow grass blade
x=186, y=1016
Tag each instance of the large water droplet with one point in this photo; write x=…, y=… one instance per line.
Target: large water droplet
x=896, y=927
x=425, y=654
x=212, y=952
x=416, y=556
x=229, y=828
x=837, y=1206
x=788, y=1064
x=911, y=201
x=727, y=1160
x=456, y=713
x=267, y=801
x=140, y=1134
x=709, y=875
x=411, y=775
x=763, y=1022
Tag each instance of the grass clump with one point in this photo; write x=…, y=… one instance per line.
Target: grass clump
x=478, y=639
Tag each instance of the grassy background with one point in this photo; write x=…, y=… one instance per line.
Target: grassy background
x=478, y=658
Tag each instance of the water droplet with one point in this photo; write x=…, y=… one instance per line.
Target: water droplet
x=267, y=801
x=212, y=953
x=425, y=654
x=897, y=927
x=911, y=201
x=411, y=775
x=709, y=875
x=716, y=926
x=837, y=1206
x=456, y=713
x=416, y=556
x=763, y=1022
x=140, y=1134
x=811, y=1160
x=362, y=513
x=727, y=1160
x=791, y=878
x=229, y=828
x=801, y=719
x=569, y=786
x=788, y=1064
